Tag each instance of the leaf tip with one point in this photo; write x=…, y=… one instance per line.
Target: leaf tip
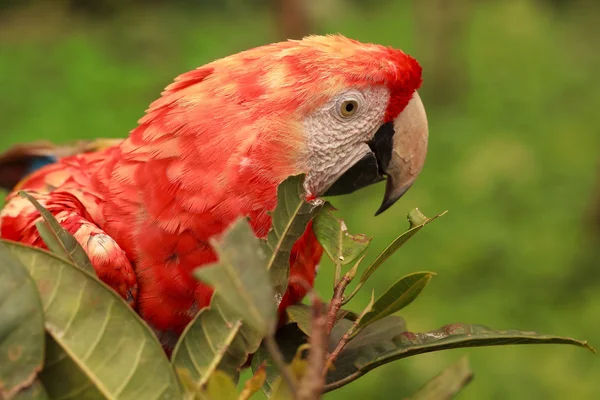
x=587, y=346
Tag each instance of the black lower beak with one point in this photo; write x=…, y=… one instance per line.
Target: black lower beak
x=370, y=169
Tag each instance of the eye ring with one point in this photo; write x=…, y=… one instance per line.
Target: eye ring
x=348, y=108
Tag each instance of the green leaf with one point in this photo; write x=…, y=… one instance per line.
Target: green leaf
x=417, y=222
x=398, y=296
x=297, y=368
x=289, y=220
x=34, y=392
x=289, y=338
x=374, y=347
x=379, y=332
x=448, y=383
x=215, y=339
x=100, y=347
x=241, y=279
x=220, y=386
x=21, y=327
x=300, y=314
x=340, y=246
x=58, y=239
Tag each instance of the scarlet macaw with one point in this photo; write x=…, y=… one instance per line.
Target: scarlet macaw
x=214, y=147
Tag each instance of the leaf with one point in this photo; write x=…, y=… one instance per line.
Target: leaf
x=289, y=338
x=241, y=279
x=300, y=314
x=398, y=296
x=215, y=339
x=220, y=386
x=34, y=392
x=58, y=239
x=254, y=384
x=289, y=220
x=99, y=345
x=340, y=246
x=21, y=327
x=297, y=367
x=448, y=383
x=374, y=347
x=417, y=222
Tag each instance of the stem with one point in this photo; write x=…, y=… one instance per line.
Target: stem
x=338, y=274
x=277, y=357
x=351, y=274
x=336, y=302
x=312, y=384
x=349, y=335
x=347, y=299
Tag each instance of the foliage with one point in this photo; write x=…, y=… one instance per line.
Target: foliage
x=514, y=160
x=98, y=347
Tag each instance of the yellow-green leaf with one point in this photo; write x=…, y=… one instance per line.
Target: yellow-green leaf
x=339, y=245
x=99, y=347
x=21, y=327
x=215, y=339
x=241, y=279
x=448, y=383
x=254, y=384
x=34, y=392
x=58, y=239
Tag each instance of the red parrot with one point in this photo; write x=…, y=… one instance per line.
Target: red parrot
x=214, y=147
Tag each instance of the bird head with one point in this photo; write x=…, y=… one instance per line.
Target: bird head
x=345, y=113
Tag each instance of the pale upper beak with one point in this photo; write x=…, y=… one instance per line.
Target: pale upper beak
x=398, y=152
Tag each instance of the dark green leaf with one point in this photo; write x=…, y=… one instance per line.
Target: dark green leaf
x=414, y=217
x=62, y=374
x=215, y=339
x=448, y=383
x=58, y=239
x=341, y=247
x=241, y=279
x=373, y=348
x=101, y=346
x=300, y=314
x=34, y=392
x=290, y=218
x=21, y=327
x=398, y=296
x=289, y=338
x=368, y=340
x=297, y=368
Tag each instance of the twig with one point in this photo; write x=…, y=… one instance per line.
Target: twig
x=313, y=382
x=337, y=301
x=349, y=335
x=277, y=357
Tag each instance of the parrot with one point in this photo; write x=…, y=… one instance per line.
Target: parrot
x=213, y=148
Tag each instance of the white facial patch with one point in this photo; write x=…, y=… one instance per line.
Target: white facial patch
x=337, y=140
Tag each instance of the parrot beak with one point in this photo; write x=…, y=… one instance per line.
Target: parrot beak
x=398, y=151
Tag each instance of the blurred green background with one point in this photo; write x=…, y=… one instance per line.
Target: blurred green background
x=513, y=98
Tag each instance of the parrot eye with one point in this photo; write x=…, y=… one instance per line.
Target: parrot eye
x=348, y=108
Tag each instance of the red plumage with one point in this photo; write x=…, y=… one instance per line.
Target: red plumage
x=212, y=148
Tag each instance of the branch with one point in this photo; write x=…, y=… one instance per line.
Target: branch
x=338, y=298
x=312, y=384
x=277, y=357
x=349, y=335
